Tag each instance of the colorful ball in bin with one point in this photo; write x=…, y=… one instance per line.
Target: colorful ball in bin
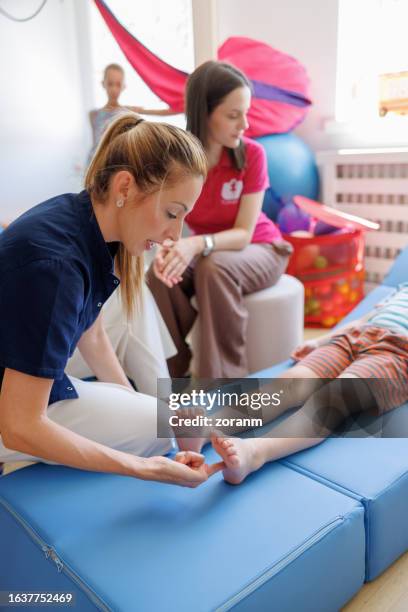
x=291, y=219
x=321, y=262
x=327, y=306
x=338, y=254
x=343, y=288
x=307, y=256
x=323, y=290
x=312, y=305
x=329, y=321
x=338, y=299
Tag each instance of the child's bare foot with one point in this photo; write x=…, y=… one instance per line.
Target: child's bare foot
x=240, y=456
x=201, y=431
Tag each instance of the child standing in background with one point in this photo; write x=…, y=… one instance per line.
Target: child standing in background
x=114, y=83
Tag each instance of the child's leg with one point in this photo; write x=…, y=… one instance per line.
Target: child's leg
x=297, y=384
x=382, y=361
x=325, y=410
x=308, y=376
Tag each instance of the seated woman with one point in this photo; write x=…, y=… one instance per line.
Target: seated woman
x=372, y=353
x=57, y=270
x=235, y=249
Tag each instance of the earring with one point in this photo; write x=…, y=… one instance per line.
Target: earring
x=120, y=202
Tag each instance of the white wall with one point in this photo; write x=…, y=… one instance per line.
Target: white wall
x=306, y=29
x=44, y=135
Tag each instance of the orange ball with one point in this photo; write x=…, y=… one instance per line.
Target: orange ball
x=307, y=256
x=327, y=306
x=329, y=321
x=344, y=289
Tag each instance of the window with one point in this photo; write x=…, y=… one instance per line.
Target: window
x=372, y=60
x=164, y=27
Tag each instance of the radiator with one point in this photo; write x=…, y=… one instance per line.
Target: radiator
x=372, y=183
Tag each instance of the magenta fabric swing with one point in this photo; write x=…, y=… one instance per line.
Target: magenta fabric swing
x=280, y=83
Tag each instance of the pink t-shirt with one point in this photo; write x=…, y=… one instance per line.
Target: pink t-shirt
x=217, y=207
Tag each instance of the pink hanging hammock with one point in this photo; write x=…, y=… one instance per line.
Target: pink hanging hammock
x=280, y=83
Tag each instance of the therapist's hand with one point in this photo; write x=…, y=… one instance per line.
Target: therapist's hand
x=188, y=469
x=196, y=461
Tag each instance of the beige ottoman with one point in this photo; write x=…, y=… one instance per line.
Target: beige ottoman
x=275, y=323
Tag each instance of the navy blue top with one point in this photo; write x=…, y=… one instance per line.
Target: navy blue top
x=56, y=272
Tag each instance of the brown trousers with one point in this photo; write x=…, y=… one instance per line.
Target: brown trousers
x=219, y=283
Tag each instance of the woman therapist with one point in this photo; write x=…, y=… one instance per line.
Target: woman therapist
x=56, y=272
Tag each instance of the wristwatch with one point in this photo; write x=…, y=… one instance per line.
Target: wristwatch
x=208, y=244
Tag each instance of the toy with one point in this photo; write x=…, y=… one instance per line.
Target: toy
x=307, y=255
x=343, y=288
x=338, y=253
x=327, y=307
x=329, y=321
x=313, y=305
x=338, y=300
x=291, y=219
x=354, y=296
x=321, y=228
x=323, y=290
x=321, y=262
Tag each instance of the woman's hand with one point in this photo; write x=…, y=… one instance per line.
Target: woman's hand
x=171, y=261
x=158, y=265
x=196, y=461
x=188, y=469
x=304, y=349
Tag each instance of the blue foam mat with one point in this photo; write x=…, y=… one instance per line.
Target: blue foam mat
x=129, y=544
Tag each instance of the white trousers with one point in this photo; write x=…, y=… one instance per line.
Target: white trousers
x=142, y=346
x=109, y=413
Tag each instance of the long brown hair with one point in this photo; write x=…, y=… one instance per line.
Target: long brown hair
x=206, y=88
x=157, y=155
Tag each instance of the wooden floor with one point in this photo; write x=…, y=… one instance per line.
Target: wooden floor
x=388, y=593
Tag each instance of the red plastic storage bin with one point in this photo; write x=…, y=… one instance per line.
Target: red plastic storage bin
x=331, y=268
